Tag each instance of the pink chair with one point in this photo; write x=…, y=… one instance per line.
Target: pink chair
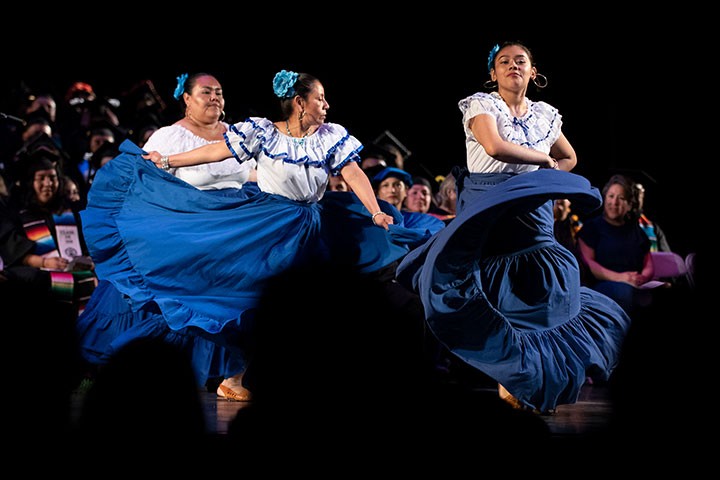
x=668, y=265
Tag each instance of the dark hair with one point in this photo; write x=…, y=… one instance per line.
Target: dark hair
x=41, y=160
x=417, y=180
x=303, y=86
x=510, y=43
x=628, y=187
x=192, y=81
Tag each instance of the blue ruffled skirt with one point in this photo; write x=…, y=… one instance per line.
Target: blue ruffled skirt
x=504, y=296
x=190, y=265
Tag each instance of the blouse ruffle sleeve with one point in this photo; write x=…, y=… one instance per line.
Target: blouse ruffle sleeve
x=343, y=147
x=477, y=104
x=245, y=139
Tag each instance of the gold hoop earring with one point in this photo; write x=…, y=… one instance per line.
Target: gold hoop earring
x=301, y=116
x=222, y=115
x=489, y=84
x=543, y=80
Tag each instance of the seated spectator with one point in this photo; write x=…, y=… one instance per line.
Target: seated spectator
x=391, y=184
x=658, y=242
x=445, y=205
x=55, y=248
x=338, y=184
x=105, y=152
x=566, y=225
x=616, y=250
x=419, y=196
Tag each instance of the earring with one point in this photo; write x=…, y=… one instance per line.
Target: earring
x=301, y=116
x=543, y=80
x=222, y=116
x=489, y=84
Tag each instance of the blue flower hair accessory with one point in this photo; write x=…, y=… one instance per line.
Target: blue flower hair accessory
x=283, y=84
x=491, y=57
x=180, y=89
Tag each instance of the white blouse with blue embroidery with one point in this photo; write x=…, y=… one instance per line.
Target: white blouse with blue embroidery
x=538, y=129
x=296, y=168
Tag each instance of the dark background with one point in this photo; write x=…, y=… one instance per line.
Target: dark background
x=383, y=72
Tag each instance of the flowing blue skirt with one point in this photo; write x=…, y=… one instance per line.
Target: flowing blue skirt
x=504, y=296
x=190, y=265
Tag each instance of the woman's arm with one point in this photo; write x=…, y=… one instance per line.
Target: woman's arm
x=485, y=131
x=587, y=255
x=212, y=152
x=360, y=184
x=50, y=263
x=563, y=153
x=648, y=270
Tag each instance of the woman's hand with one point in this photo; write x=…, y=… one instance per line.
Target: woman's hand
x=57, y=264
x=551, y=164
x=382, y=219
x=154, y=157
x=633, y=278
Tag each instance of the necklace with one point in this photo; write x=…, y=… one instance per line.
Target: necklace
x=287, y=128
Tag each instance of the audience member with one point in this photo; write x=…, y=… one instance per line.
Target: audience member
x=142, y=135
x=565, y=225
x=36, y=135
x=71, y=191
x=445, y=205
x=55, y=231
x=86, y=120
x=43, y=102
x=16, y=250
x=142, y=107
x=392, y=185
x=106, y=152
x=373, y=159
x=338, y=184
x=616, y=250
x=419, y=196
x=658, y=242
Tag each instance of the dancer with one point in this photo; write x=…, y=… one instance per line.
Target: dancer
x=109, y=322
x=499, y=291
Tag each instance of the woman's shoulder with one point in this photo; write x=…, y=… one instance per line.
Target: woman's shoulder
x=332, y=129
x=543, y=108
x=465, y=103
x=173, y=139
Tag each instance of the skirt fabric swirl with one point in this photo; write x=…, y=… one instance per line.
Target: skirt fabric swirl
x=190, y=265
x=504, y=296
